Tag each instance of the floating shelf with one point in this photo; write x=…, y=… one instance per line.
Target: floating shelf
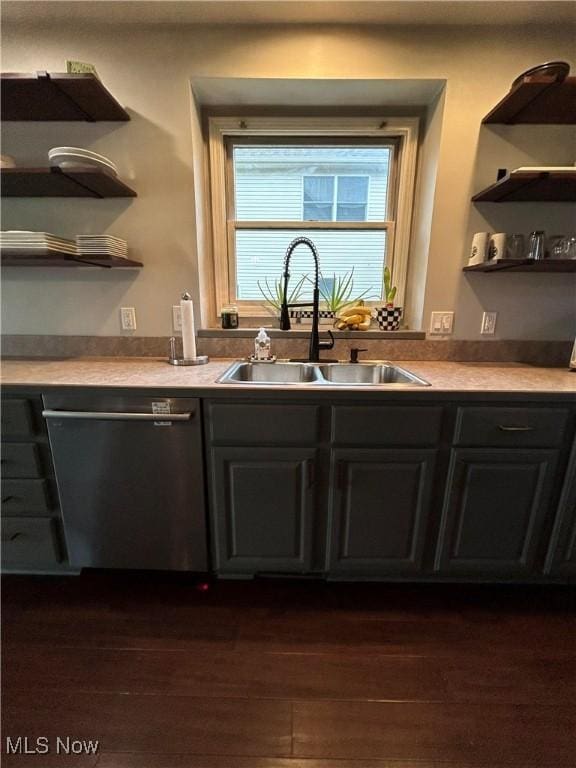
x=58, y=96
x=65, y=260
x=524, y=265
x=54, y=182
x=531, y=186
x=537, y=101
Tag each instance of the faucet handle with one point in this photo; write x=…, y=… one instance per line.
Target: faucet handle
x=354, y=352
x=327, y=344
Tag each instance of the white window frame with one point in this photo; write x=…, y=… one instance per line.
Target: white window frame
x=404, y=129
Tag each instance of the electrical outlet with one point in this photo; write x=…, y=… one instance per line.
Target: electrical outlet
x=128, y=318
x=176, y=317
x=441, y=323
x=488, y=322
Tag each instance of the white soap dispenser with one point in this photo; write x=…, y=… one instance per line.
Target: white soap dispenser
x=262, y=346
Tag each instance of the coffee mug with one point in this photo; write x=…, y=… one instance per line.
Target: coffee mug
x=497, y=245
x=479, y=248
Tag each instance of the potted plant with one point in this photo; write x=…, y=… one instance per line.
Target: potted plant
x=389, y=316
x=274, y=294
x=336, y=293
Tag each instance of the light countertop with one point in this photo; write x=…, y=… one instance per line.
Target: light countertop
x=146, y=373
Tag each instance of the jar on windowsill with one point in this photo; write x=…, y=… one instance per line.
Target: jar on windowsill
x=229, y=316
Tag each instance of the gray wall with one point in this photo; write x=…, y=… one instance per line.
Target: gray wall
x=149, y=70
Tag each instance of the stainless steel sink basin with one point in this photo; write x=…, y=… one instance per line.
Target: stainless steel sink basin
x=380, y=374
x=270, y=373
x=369, y=374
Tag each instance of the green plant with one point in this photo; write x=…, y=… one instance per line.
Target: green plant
x=339, y=294
x=389, y=291
x=274, y=294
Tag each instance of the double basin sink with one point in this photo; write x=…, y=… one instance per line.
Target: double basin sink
x=378, y=373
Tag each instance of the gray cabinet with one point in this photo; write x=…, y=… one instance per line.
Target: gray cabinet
x=495, y=508
x=379, y=511
x=263, y=503
x=561, y=556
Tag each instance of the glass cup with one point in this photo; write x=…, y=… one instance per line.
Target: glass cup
x=515, y=247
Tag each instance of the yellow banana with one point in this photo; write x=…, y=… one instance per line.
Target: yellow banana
x=356, y=310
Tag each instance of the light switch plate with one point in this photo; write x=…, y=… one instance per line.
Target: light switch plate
x=128, y=318
x=441, y=323
x=176, y=317
x=488, y=323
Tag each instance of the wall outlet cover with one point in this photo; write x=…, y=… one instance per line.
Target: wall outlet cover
x=488, y=323
x=441, y=323
x=176, y=317
x=128, y=318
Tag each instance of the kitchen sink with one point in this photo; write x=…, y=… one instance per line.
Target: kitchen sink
x=369, y=373
x=381, y=374
x=271, y=373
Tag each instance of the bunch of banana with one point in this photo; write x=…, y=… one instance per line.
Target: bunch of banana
x=354, y=318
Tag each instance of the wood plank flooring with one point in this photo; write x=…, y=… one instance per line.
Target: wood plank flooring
x=288, y=674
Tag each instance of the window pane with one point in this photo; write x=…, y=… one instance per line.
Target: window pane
x=317, y=212
x=351, y=213
x=318, y=189
x=352, y=189
x=276, y=182
x=260, y=255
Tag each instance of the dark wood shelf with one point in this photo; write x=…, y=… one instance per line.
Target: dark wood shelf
x=537, y=101
x=58, y=96
x=531, y=186
x=65, y=260
x=54, y=182
x=524, y=265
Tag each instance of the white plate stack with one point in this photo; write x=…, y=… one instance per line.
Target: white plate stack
x=73, y=158
x=24, y=243
x=102, y=245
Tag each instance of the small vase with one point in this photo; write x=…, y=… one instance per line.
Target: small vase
x=388, y=318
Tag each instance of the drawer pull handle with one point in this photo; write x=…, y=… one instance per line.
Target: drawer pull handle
x=11, y=536
x=506, y=428
x=8, y=498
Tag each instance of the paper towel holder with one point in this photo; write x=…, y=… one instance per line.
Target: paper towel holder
x=174, y=360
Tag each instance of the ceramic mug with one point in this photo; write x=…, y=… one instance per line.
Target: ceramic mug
x=497, y=245
x=479, y=248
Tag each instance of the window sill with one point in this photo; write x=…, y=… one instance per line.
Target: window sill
x=298, y=333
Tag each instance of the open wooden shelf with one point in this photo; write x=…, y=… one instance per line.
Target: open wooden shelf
x=58, y=96
x=531, y=186
x=54, y=182
x=538, y=101
x=65, y=260
x=524, y=265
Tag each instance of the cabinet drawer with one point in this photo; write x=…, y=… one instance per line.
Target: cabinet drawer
x=503, y=427
x=17, y=419
x=29, y=543
x=263, y=424
x=24, y=497
x=21, y=460
x=386, y=425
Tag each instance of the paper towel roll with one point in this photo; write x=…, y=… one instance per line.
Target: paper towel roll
x=188, y=333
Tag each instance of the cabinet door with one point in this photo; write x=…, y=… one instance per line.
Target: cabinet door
x=561, y=557
x=494, y=509
x=262, y=509
x=379, y=511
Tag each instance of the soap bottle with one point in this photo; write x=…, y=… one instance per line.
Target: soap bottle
x=262, y=346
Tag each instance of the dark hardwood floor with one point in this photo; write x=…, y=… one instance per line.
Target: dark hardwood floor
x=288, y=674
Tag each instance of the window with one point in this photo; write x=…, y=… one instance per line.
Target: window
x=335, y=198
x=347, y=186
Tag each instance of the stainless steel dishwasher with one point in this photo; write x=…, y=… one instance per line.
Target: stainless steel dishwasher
x=130, y=478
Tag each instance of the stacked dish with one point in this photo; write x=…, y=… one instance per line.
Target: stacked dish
x=74, y=157
x=24, y=243
x=102, y=245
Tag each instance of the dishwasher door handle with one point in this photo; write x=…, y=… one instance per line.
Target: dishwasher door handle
x=117, y=416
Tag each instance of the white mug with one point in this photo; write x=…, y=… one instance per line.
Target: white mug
x=497, y=245
x=478, y=251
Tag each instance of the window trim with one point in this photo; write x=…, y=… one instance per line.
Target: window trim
x=404, y=129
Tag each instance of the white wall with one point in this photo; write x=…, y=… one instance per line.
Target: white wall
x=149, y=70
